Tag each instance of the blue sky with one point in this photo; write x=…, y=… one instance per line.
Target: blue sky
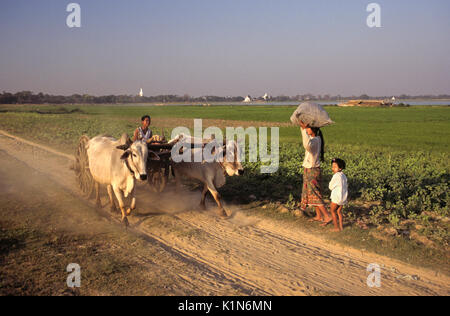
x=232, y=47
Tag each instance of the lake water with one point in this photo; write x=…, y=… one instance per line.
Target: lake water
x=410, y=102
x=290, y=103
x=438, y=102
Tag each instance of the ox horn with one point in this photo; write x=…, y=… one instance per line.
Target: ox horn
x=129, y=142
x=123, y=147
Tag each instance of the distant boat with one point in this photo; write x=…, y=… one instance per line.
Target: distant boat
x=367, y=103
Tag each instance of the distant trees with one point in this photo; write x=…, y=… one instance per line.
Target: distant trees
x=28, y=97
x=8, y=98
x=364, y=97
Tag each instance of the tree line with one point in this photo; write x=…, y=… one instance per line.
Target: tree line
x=28, y=97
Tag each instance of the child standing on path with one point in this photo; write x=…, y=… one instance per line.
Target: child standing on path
x=339, y=192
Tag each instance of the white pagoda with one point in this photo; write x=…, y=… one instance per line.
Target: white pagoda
x=141, y=93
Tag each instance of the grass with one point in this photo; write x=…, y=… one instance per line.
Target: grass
x=415, y=128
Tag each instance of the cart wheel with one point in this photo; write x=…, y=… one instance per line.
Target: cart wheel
x=81, y=167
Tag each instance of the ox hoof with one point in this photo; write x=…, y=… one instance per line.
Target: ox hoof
x=128, y=211
x=125, y=222
x=223, y=214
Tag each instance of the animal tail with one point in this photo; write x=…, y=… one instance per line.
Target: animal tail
x=80, y=154
x=84, y=141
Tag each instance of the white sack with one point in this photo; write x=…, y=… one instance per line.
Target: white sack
x=311, y=114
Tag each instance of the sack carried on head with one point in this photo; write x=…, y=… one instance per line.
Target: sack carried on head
x=312, y=114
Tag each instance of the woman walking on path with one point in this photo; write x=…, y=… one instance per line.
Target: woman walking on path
x=312, y=192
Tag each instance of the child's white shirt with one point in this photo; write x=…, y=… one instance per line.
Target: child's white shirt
x=339, y=189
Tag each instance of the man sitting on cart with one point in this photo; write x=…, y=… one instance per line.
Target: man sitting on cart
x=144, y=132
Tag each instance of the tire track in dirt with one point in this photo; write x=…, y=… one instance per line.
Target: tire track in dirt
x=280, y=260
x=255, y=256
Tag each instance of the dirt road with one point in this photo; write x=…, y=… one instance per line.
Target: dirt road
x=244, y=255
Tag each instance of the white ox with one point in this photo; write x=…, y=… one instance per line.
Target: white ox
x=118, y=164
x=211, y=174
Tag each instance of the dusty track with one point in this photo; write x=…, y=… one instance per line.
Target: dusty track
x=243, y=254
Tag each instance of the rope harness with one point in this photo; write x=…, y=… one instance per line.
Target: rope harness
x=128, y=166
